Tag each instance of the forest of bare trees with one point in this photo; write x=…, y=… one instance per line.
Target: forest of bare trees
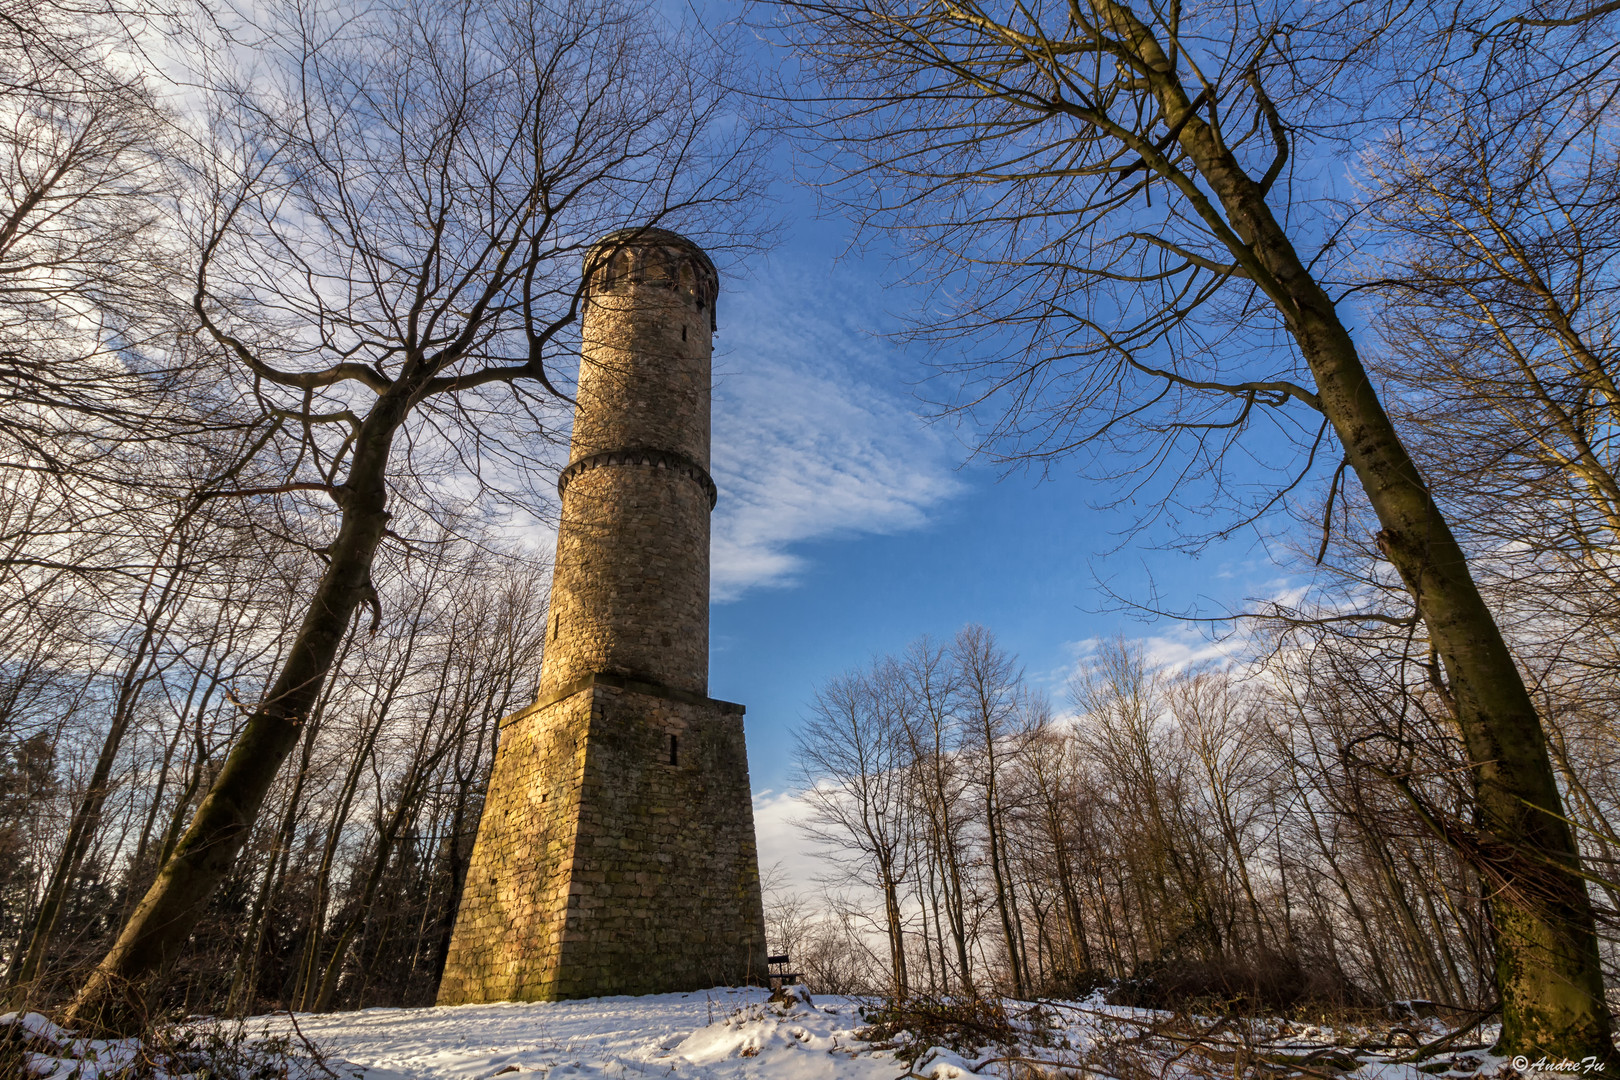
x=289, y=303
x=1169, y=835
x=1181, y=238
x=346, y=890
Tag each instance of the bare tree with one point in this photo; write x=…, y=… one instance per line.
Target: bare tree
x=1114, y=204
x=1050, y=771
x=1217, y=725
x=851, y=755
x=993, y=708
x=389, y=257
x=938, y=786
x=1198, y=836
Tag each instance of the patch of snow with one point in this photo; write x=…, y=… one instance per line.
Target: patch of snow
x=196, y=1050
x=54, y=1053
x=728, y=1033
x=713, y=1035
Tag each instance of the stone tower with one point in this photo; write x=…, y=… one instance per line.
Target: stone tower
x=616, y=850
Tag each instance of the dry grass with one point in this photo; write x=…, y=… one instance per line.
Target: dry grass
x=1047, y=1040
x=212, y=1049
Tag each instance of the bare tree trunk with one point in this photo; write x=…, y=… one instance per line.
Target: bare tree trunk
x=457, y=861
x=1080, y=950
x=111, y=999
x=1021, y=955
x=895, y=927
x=87, y=814
x=927, y=935
x=999, y=879
x=956, y=907
x=358, y=916
x=388, y=833
x=169, y=751
x=245, y=979
x=1357, y=911
x=942, y=845
x=1548, y=969
x=310, y=959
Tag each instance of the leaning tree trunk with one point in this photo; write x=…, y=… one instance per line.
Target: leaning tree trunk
x=112, y=999
x=1547, y=966
x=245, y=975
x=245, y=979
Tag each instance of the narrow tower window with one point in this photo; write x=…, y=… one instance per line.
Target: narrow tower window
x=674, y=750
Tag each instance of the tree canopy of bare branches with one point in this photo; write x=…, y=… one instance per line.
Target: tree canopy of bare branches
x=388, y=252
x=1109, y=191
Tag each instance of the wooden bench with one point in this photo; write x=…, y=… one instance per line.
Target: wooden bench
x=777, y=971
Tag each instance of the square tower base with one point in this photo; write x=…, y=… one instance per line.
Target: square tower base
x=615, y=854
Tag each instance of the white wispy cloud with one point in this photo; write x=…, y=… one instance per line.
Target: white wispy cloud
x=1180, y=646
x=814, y=436
x=794, y=860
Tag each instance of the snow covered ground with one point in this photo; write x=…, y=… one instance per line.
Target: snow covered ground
x=732, y=1033
x=713, y=1035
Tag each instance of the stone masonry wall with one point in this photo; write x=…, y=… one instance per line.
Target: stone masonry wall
x=630, y=592
x=645, y=360
x=617, y=871
x=666, y=872
x=630, y=589
x=509, y=927
x=616, y=850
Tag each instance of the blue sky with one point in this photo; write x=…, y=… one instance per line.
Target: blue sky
x=847, y=525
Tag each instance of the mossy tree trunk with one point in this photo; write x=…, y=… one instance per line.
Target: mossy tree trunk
x=1547, y=968
x=998, y=140
x=112, y=998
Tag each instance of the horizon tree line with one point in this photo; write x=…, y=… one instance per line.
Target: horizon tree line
x=1175, y=837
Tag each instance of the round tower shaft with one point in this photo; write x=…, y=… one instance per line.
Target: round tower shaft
x=630, y=586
